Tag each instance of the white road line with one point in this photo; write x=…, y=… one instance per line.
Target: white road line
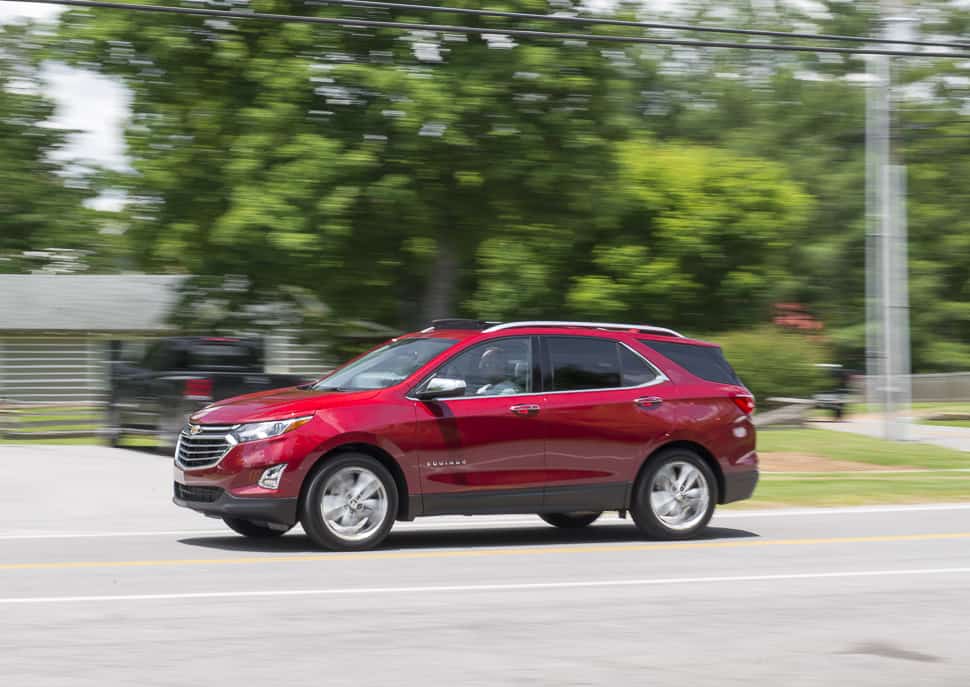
x=526, y=586
x=848, y=510
x=97, y=535
x=477, y=522
x=867, y=473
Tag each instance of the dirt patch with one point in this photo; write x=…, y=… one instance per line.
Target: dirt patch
x=784, y=461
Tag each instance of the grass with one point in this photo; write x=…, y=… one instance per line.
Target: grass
x=923, y=410
x=844, y=446
x=42, y=419
x=858, y=488
x=934, y=406
x=133, y=442
x=846, y=490
x=947, y=423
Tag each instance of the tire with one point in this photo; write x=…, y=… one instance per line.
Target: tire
x=689, y=513
x=352, y=525
x=248, y=528
x=571, y=521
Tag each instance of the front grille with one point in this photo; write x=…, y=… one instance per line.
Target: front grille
x=198, y=494
x=203, y=449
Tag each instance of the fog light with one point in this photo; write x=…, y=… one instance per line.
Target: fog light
x=270, y=478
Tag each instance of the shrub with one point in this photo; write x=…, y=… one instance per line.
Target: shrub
x=771, y=362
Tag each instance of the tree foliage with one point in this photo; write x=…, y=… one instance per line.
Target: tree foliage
x=42, y=220
x=397, y=176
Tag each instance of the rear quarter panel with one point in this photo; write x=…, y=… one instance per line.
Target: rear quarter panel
x=704, y=412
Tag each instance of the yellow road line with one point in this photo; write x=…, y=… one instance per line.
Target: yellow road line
x=467, y=553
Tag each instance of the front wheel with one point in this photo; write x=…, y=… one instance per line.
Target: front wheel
x=248, y=528
x=675, y=496
x=350, y=503
x=571, y=521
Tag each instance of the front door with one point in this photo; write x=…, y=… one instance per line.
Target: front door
x=482, y=451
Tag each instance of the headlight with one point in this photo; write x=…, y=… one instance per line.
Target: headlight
x=254, y=431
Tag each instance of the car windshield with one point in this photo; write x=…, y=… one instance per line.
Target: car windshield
x=384, y=366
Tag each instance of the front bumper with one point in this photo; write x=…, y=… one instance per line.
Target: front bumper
x=218, y=503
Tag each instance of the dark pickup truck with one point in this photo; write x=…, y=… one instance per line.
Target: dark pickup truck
x=178, y=375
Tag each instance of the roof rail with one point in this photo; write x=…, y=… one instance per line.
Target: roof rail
x=457, y=323
x=591, y=325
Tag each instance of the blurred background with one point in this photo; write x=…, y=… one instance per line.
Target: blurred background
x=293, y=193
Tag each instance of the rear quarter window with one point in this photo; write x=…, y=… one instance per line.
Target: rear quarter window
x=706, y=362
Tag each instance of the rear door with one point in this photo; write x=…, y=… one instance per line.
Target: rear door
x=483, y=451
x=602, y=414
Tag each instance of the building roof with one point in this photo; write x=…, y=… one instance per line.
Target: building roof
x=108, y=303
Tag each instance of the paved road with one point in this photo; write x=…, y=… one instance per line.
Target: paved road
x=103, y=582
x=957, y=438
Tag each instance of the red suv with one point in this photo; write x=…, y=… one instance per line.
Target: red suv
x=562, y=419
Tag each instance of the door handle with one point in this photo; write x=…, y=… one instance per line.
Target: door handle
x=648, y=402
x=525, y=409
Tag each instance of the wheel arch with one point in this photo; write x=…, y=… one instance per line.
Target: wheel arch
x=693, y=446
x=405, y=509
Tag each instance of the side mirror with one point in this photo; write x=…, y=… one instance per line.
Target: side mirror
x=441, y=387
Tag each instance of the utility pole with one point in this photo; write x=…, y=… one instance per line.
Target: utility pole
x=887, y=285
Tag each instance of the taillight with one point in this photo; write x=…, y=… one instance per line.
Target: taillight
x=745, y=403
x=197, y=389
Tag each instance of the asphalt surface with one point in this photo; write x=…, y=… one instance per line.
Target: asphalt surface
x=104, y=582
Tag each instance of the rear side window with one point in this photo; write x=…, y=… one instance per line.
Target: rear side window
x=706, y=362
x=578, y=363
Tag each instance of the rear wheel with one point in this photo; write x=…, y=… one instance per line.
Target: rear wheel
x=350, y=503
x=571, y=521
x=675, y=496
x=248, y=528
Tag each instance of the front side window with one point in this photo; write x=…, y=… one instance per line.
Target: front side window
x=494, y=368
x=384, y=366
x=577, y=363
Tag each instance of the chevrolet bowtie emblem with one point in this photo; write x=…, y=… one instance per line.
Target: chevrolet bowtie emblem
x=194, y=429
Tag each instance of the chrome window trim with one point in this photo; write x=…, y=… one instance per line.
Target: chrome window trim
x=588, y=325
x=659, y=379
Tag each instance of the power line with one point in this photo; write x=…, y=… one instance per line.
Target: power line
x=453, y=28
x=602, y=21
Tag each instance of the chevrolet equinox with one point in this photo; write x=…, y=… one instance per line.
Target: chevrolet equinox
x=562, y=419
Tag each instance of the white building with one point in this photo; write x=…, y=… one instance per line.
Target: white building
x=55, y=332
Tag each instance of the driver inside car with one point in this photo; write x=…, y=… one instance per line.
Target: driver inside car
x=494, y=368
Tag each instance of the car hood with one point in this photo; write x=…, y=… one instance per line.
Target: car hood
x=277, y=404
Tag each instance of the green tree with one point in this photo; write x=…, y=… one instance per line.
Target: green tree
x=702, y=238
x=42, y=219
x=365, y=165
x=773, y=363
